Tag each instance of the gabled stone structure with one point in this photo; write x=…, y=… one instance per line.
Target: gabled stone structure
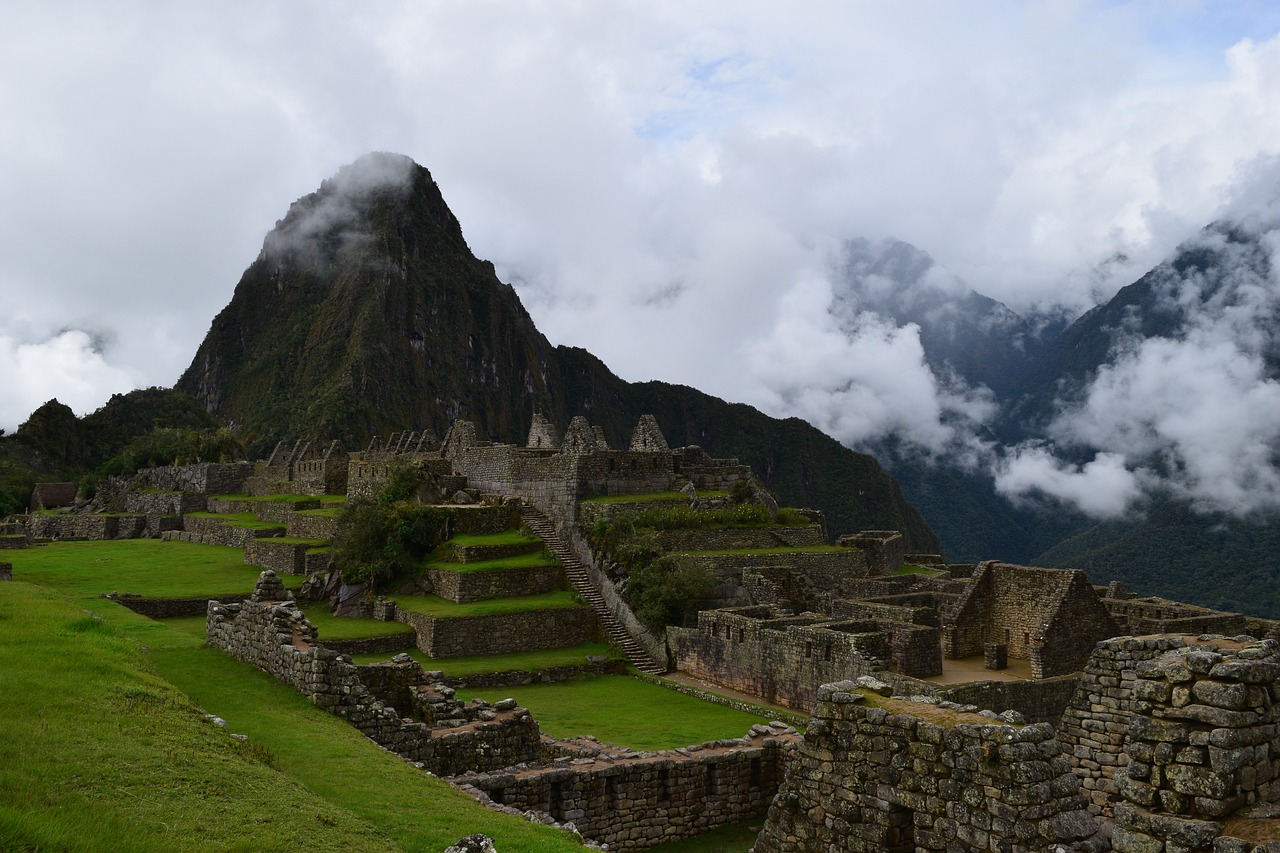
x=542, y=435
x=1051, y=617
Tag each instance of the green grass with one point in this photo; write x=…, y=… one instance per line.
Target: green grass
x=328, y=499
x=300, y=540
x=432, y=605
x=651, y=497
x=327, y=512
x=908, y=569
x=522, y=661
x=505, y=564
x=608, y=706
x=331, y=627
x=735, y=838
x=150, y=567
x=98, y=753
x=246, y=520
x=507, y=537
x=781, y=549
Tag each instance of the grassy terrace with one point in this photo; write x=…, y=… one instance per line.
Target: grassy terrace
x=505, y=564
x=506, y=537
x=522, y=661
x=782, y=549
x=240, y=519
x=325, y=499
x=149, y=567
x=104, y=747
x=651, y=497
x=331, y=627
x=606, y=706
x=432, y=605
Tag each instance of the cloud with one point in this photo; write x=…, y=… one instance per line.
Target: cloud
x=1102, y=488
x=68, y=366
x=320, y=226
x=1193, y=413
x=861, y=380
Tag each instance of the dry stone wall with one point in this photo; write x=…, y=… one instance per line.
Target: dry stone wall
x=634, y=801
x=464, y=587
x=101, y=526
x=204, y=478
x=1204, y=746
x=881, y=775
x=740, y=537
x=455, y=636
x=269, y=631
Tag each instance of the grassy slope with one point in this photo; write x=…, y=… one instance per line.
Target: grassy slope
x=149, y=567
x=606, y=706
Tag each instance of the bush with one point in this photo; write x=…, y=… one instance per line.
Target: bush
x=378, y=541
x=665, y=590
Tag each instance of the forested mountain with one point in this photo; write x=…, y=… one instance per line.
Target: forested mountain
x=367, y=313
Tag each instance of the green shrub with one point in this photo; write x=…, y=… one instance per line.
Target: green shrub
x=377, y=542
x=663, y=591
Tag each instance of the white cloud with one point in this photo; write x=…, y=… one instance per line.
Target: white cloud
x=68, y=364
x=1103, y=488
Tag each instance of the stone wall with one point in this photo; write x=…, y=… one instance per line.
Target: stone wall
x=882, y=775
x=740, y=537
x=100, y=526
x=634, y=801
x=205, y=478
x=216, y=531
x=463, y=587
x=269, y=632
x=168, y=608
x=1095, y=724
x=1050, y=617
x=1140, y=616
x=305, y=526
x=883, y=550
x=456, y=636
x=6, y=571
x=1204, y=746
x=164, y=503
x=283, y=558
x=1040, y=701
x=783, y=659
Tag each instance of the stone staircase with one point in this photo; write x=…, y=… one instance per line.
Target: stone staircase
x=580, y=580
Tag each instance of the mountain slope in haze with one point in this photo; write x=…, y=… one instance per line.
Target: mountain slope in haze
x=963, y=333
x=366, y=313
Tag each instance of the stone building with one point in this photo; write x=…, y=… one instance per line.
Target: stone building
x=1050, y=617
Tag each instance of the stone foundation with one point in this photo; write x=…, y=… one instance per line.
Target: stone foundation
x=269, y=632
x=881, y=775
x=502, y=633
x=634, y=801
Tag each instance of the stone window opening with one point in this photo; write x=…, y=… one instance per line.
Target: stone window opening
x=664, y=784
x=497, y=795
x=555, y=805
x=742, y=635
x=610, y=793
x=808, y=650
x=900, y=835
x=754, y=778
x=712, y=788
x=826, y=653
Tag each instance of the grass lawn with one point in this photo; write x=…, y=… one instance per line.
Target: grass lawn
x=651, y=497
x=607, y=706
x=247, y=520
x=99, y=753
x=506, y=537
x=434, y=605
x=326, y=499
x=908, y=569
x=519, y=561
x=735, y=838
x=150, y=567
x=331, y=627
x=524, y=661
x=782, y=549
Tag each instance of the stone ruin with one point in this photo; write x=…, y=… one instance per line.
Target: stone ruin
x=629, y=799
x=1170, y=745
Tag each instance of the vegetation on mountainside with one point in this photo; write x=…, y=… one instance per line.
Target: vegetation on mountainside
x=54, y=445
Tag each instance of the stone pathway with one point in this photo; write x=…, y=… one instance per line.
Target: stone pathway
x=580, y=579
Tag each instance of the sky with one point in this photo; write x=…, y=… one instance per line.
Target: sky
x=664, y=183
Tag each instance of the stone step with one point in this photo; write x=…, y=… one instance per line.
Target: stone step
x=580, y=579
